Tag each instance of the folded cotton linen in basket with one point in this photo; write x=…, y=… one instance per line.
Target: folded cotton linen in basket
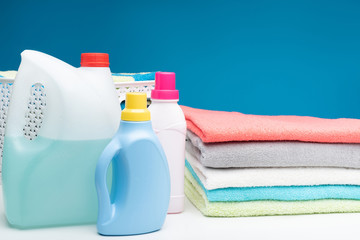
x=8, y=74
x=132, y=77
x=281, y=193
x=273, y=154
x=259, y=177
x=218, y=126
x=261, y=208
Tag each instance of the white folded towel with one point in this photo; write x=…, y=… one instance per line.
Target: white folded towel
x=256, y=177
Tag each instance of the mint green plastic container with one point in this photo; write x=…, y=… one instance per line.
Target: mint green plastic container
x=59, y=121
x=50, y=182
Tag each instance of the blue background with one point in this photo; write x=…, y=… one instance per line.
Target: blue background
x=260, y=57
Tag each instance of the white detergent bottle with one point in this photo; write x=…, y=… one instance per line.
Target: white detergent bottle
x=169, y=124
x=60, y=119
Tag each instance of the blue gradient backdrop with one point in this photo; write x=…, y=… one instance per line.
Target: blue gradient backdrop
x=260, y=57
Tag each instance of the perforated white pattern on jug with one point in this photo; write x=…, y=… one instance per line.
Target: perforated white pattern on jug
x=5, y=93
x=35, y=112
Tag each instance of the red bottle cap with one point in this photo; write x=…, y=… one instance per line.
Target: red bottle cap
x=94, y=60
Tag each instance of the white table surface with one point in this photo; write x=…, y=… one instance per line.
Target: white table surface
x=192, y=225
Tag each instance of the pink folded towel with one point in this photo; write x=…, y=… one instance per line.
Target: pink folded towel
x=218, y=126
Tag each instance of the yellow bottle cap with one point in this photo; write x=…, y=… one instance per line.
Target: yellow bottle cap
x=135, y=108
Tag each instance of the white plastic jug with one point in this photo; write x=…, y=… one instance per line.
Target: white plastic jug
x=59, y=121
x=170, y=126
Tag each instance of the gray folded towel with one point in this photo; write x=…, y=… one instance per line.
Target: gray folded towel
x=273, y=154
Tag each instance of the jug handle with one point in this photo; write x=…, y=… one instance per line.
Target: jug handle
x=20, y=98
x=105, y=206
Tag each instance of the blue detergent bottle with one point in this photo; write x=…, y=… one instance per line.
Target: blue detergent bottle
x=140, y=190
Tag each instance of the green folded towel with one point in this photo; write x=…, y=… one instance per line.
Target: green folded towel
x=197, y=196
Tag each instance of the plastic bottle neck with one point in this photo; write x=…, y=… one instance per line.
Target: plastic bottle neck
x=137, y=124
x=161, y=101
x=96, y=69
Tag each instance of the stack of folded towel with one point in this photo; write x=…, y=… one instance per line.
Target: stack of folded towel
x=248, y=165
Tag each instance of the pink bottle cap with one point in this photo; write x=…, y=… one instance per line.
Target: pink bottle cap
x=165, y=86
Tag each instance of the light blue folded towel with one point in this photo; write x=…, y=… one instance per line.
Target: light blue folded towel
x=280, y=193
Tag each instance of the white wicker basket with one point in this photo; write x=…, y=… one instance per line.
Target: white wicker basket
x=140, y=86
x=31, y=130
